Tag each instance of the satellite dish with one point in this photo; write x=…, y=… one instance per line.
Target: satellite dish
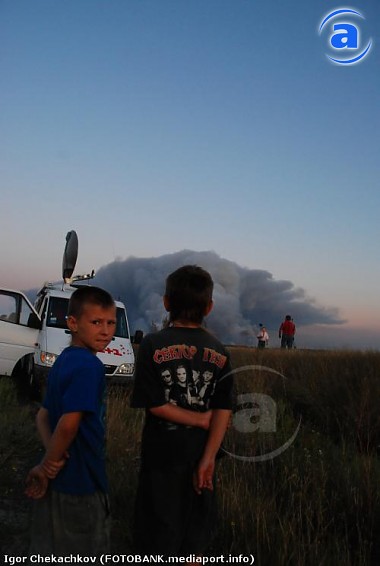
x=69, y=255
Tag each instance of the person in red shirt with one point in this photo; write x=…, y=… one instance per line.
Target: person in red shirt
x=286, y=332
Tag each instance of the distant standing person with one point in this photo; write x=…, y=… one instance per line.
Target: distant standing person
x=262, y=337
x=286, y=332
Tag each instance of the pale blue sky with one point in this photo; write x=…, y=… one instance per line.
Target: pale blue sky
x=154, y=126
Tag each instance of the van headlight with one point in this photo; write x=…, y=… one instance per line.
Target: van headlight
x=47, y=358
x=125, y=369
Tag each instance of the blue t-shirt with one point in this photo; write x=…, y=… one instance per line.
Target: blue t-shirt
x=76, y=383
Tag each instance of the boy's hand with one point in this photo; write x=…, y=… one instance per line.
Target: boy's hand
x=203, y=475
x=52, y=468
x=36, y=483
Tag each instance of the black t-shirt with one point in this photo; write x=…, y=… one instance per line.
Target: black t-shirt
x=190, y=368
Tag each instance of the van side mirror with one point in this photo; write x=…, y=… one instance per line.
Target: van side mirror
x=34, y=321
x=138, y=336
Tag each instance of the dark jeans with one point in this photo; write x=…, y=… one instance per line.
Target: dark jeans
x=170, y=517
x=287, y=341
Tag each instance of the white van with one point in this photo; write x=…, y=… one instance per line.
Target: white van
x=51, y=305
x=19, y=329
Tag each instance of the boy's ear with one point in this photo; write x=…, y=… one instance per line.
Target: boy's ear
x=71, y=323
x=209, y=308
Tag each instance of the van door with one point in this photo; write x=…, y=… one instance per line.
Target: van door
x=18, y=329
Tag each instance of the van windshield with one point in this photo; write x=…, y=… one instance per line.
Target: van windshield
x=56, y=312
x=57, y=315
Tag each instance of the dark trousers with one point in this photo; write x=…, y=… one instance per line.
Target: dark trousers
x=287, y=341
x=170, y=517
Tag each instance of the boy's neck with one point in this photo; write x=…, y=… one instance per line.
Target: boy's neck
x=185, y=324
x=74, y=345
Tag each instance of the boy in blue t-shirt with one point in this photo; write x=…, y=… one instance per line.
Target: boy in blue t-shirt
x=71, y=514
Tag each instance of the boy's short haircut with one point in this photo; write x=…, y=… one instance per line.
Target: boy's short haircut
x=189, y=293
x=88, y=295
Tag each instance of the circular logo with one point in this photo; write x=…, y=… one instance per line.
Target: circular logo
x=261, y=427
x=345, y=42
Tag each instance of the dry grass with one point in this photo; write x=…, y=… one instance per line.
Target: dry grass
x=317, y=503
x=19, y=446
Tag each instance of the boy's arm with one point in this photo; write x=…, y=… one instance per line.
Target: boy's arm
x=175, y=414
x=55, y=455
x=43, y=426
x=203, y=475
x=63, y=435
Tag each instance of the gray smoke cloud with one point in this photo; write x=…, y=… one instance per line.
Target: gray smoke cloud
x=243, y=297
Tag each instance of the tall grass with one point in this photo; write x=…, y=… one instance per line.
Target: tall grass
x=17, y=438
x=317, y=503
x=124, y=427
x=19, y=446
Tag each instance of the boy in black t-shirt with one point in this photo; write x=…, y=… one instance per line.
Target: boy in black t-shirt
x=186, y=419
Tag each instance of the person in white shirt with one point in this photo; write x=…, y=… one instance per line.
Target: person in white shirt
x=262, y=337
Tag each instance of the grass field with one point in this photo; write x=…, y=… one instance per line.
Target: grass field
x=315, y=503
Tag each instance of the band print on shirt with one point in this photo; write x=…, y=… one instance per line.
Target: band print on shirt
x=183, y=351
x=190, y=392
x=188, y=388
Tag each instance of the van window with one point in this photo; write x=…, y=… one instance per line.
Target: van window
x=57, y=315
x=57, y=312
x=25, y=312
x=8, y=308
x=14, y=308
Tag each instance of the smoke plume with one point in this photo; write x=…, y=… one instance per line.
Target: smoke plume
x=243, y=297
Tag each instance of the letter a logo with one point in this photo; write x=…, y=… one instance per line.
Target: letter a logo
x=344, y=37
x=347, y=37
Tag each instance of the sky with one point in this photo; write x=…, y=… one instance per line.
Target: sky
x=156, y=126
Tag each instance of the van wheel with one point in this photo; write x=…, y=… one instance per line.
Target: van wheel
x=35, y=393
x=25, y=380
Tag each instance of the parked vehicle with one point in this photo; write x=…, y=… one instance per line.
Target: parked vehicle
x=32, y=337
x=51, y=304
x=19, y=329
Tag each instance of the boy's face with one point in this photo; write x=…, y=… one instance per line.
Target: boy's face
x=94, y=328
